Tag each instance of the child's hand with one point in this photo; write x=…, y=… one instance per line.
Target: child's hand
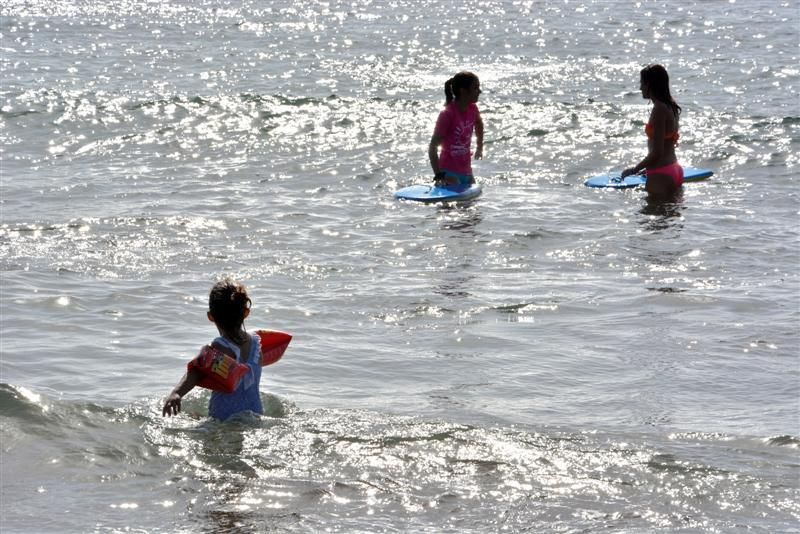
x=441, y=179
x=172, y=406
x=478, y=153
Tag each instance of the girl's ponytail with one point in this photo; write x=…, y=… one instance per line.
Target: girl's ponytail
x=448, y=91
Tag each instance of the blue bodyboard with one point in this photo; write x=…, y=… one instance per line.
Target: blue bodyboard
x=613, y=180
x=432, y=193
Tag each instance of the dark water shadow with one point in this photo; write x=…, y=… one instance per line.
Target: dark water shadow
x=455, y=286
x=662, y=213
x=461, y=217
x=461, y=223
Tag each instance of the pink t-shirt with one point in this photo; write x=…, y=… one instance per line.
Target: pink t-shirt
x=455, y=128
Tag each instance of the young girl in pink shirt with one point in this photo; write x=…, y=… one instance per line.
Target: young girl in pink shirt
x=452, y=165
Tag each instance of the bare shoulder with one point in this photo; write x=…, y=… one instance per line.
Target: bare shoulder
x=660, y=109
x=662, y=112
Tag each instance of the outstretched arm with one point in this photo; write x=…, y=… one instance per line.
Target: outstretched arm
x=172, y=406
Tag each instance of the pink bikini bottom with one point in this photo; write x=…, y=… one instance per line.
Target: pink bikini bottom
x=673, y=170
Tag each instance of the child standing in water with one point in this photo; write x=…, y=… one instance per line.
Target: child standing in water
x=664, y=173
x=228, y=307
x=454, y=127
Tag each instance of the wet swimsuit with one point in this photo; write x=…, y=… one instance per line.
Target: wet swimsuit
x=673, y=170
x=246, y=396
x=463, y=179
x=672, y=136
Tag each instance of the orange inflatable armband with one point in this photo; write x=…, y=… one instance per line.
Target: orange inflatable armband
x=273, y=345
x=220, y=372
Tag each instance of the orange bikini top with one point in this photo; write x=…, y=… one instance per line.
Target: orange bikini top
x=672, y=136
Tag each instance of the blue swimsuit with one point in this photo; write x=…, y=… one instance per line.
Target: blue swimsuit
x=246, y=396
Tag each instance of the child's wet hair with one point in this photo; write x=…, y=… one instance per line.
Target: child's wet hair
x=657, y=79
x=461, y=81
x=228, y=303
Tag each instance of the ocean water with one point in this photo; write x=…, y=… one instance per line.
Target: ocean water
x=546, y=358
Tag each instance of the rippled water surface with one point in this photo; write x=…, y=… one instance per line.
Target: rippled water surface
x=547, y=357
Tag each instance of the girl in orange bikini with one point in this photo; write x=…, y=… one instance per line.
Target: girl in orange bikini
x=664, y=174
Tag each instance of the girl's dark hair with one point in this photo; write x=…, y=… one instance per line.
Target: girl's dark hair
x=228, y=302
x=657, y=79
x=461, y=81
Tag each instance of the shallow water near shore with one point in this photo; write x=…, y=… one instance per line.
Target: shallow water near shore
x=547, y=357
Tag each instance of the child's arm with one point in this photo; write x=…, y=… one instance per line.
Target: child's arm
x=655, y=144
x=433, y=154
x=479, y=137
x=172, y=406
x=442, y=126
